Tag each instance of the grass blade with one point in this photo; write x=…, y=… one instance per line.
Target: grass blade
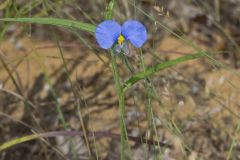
x=55, y=22
x=18, y=141
x=99, y=134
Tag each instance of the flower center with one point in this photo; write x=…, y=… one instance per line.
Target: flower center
x=121, y=39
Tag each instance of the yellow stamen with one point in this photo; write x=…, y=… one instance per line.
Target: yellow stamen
x=121, y=39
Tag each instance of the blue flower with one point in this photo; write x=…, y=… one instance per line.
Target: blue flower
x=110, y=33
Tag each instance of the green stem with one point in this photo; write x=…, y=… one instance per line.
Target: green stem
x=121, y=102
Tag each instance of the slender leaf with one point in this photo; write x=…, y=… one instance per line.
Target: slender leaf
x=18, y=141
x=152, y=70
x=31, y=137
x=109, y=10
x=55, y=22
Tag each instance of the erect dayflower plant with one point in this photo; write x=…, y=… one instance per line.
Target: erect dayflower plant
x=109, y=34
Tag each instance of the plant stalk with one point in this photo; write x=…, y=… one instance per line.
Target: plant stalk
x=121, y=103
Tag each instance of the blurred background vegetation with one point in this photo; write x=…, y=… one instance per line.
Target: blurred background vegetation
x=48, y=72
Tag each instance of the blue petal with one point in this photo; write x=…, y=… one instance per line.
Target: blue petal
x=107, y=33
x=135, y=32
